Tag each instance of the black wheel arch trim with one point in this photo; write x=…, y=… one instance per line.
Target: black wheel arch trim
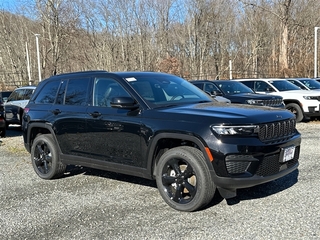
x=44, y=125
x=182, y=136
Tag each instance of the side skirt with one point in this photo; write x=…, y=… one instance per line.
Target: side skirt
x=104, y=165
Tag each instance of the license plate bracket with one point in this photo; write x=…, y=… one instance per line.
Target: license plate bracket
x=287, y=154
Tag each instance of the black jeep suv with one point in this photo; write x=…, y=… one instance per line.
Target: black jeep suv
x=157, y=126
x=237, y=92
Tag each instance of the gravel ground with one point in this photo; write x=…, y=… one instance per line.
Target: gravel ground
x=92, y=204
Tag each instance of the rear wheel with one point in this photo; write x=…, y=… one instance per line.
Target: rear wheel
x=296, y=110
x=184, y=180
x=45, y=157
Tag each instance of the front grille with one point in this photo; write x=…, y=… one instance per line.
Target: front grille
x=270, y=165
x=272, y=102
x=277, y=131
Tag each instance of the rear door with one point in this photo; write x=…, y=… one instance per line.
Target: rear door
x=69, y=114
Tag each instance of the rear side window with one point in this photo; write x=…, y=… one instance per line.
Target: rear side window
x=48, y=93
x=76, y=92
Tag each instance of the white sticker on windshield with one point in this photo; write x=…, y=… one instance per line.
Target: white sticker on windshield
x=132, y=79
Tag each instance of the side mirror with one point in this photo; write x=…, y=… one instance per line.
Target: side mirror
x=269, y=89
x=124, y=103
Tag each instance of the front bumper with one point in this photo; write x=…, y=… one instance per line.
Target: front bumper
x=233, y=183
x=251, y=163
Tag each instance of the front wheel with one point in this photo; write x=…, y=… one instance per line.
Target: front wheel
x=296, y=110
x=183, y=179
x=45, y=157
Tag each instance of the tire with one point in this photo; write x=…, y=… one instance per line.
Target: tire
x=296, y=110
x=45, y=157
x=3, y=132
x=183, y=179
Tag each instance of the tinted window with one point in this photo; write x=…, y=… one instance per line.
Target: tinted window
x=105, y=89
x=261, y=86
x=249, y=84
x=76, y=93
x=209, y=87
x=48, y=93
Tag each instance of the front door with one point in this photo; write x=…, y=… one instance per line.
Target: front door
x=114, y=135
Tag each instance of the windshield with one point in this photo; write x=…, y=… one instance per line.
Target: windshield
x=164, y=90
x=284, y=85
x=311, y=83
x=299, y=84
x=233, y=87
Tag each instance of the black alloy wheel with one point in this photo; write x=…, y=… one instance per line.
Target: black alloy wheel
x=184, y=180
x=44, y=157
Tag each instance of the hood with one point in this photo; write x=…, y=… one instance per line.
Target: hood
x=220, y=113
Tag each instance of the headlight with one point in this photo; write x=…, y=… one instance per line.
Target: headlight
x=254, y=102
x=235, y=130
x=311, y=97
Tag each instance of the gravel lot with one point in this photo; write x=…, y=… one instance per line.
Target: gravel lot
x=92, y=204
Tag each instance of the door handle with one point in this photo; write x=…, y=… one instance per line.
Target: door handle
x=95, y=114
x=56, y=111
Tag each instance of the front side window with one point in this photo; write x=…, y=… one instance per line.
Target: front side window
x=210, y=88
x=105, y=89
x=261, y=86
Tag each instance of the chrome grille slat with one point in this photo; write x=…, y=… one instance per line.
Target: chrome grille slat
x=277, y=131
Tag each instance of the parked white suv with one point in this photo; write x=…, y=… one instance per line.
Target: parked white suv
x=16, y=103
x=303, y=103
